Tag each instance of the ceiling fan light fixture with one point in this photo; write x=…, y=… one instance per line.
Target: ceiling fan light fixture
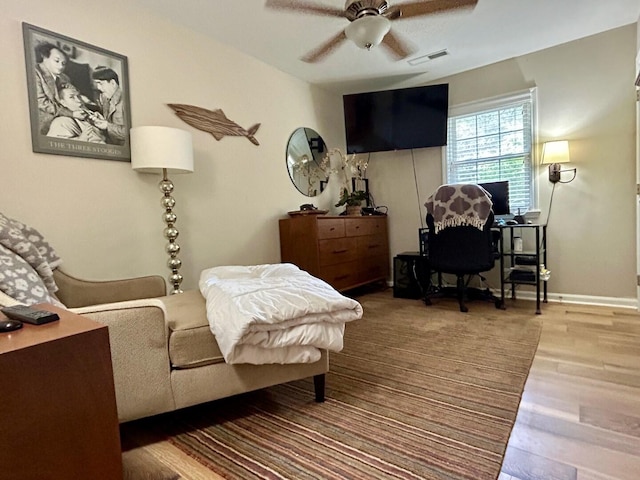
x=368, y=31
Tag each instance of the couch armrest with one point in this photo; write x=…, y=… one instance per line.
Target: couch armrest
x=138, y=335
x=74, y=292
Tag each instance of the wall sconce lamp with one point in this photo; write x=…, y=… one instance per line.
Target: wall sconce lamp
x=553, y=154
x=159, y=150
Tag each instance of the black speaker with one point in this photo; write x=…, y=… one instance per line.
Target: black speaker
x=409, y=273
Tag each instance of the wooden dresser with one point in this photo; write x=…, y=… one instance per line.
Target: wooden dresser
x=344, y=251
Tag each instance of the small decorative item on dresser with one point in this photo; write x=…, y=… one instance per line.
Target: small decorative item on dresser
x=307, y=212
x=308, y=209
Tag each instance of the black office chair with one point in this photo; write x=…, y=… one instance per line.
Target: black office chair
x=465, y=251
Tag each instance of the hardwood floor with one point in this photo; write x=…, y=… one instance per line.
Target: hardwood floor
x=579, y=418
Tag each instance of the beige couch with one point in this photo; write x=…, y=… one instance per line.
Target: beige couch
x=164, y=354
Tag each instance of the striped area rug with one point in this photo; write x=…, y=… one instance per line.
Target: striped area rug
x=417, y=393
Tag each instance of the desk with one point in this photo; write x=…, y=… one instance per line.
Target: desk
x=529, y=259
x=523, y=266
x=59, y=417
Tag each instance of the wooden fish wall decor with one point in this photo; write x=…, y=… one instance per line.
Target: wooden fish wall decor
x=214, y=122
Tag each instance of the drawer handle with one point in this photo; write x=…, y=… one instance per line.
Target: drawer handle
x=340, y=251
x=342, y=277
x=374, y=246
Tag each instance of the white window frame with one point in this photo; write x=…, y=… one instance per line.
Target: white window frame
x=494, y=103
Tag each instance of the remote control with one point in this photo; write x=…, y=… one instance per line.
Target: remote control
x=29, y=315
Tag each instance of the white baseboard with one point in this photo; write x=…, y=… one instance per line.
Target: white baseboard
x=619, y=302
x=582, y=299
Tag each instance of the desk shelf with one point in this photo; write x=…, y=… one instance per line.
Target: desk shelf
x=529, y=260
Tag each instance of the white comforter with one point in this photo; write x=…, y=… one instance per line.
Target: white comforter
x=274, y=313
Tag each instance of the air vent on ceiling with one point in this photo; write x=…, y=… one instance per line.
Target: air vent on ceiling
x=428, y=57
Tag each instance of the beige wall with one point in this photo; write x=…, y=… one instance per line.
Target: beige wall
x=585, y=95
x=102, y=217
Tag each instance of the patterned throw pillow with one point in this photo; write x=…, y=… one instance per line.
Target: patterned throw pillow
x=26, y=264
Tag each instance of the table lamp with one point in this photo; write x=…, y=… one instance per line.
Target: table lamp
x=162, y=150
x=553, y=154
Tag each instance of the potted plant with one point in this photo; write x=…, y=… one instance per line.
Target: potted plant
x=349, y=168
x=353, y=200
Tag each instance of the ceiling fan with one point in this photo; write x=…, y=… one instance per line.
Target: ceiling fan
x=370, y=22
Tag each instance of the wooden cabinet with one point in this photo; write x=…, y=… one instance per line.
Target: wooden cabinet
x=59, y=416
x=344, y=251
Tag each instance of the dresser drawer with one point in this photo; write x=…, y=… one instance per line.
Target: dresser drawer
x=372, y=245
x=330, y=228
x=373, y=268
x=365, y=226
x=337, y=250
x=341, y=275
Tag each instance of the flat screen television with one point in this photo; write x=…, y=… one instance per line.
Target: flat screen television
x=396, y=119
x=499, y=196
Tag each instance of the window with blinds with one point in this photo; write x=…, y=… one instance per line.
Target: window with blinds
x=492, y=141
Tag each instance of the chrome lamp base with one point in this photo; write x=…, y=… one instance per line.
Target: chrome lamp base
x=171, y=233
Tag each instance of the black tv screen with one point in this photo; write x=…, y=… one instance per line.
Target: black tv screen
x=499, y=196
x=396, y=119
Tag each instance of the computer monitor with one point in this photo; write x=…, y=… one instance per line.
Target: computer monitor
x=499, y=196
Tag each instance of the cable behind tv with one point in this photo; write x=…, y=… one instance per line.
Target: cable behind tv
x=415, y=179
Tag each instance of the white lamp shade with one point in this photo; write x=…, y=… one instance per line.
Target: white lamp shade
x=367, y=32
x=555, y=152
x=155, y=148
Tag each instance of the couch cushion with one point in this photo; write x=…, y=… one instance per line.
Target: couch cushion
x=191, y=343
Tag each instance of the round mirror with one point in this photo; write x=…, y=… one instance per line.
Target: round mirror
x=305, y=152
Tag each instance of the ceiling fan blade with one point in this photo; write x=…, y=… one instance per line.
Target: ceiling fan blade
x=304, y=7
x=392, y=13
x=318, y=54
x=398, y=48
x=427, y=7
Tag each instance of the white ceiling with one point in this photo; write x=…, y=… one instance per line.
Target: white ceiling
x=495, y=30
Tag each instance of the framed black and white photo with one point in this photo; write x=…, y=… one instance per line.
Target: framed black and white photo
x=78, y=97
